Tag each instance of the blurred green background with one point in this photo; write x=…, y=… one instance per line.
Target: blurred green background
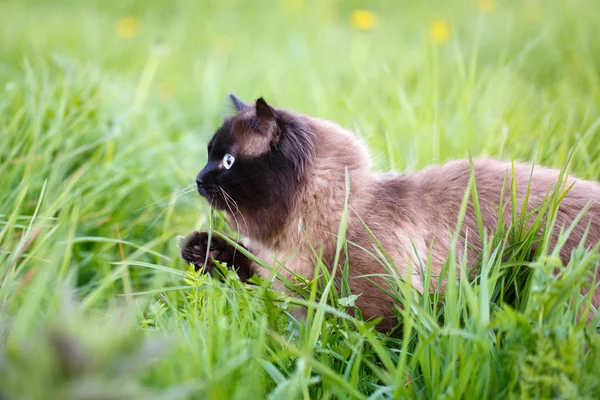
x=106, y=108
x=486, y=82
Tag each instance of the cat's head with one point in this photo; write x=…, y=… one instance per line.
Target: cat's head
x=257, y=160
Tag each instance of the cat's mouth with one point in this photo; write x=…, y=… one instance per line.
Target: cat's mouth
x=213, y=194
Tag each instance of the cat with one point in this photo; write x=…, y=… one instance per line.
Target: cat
x=280, y=179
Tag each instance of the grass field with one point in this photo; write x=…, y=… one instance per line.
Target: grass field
x=105, y=112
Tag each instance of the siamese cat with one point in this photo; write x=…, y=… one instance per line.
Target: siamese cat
x=280, y=179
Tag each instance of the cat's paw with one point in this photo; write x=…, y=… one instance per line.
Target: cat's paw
x=196, y=245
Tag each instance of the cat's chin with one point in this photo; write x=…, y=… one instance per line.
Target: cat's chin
x=213, y=196
x=216, y=203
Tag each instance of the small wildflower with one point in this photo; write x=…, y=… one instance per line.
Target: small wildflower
x=439, y=31
x=307, y=281
x=128, y=27
x=486, y=5
x=363, y=20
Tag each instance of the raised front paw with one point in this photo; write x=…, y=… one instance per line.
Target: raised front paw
x=198, y=250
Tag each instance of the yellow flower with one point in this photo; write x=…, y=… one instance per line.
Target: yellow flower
x=439, y=31
x=486, y=5
x=128, y=27
x=363, y=20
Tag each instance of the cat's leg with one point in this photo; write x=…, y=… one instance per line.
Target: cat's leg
x=194, y=250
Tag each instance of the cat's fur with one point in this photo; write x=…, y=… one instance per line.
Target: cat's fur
x=287, y=188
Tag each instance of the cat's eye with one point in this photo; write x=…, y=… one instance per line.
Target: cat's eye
x=228, y=160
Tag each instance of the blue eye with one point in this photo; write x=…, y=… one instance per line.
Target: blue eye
x=228, y=160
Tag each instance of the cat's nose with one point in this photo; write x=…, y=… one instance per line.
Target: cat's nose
x=206, y=176
x=202, y=175
x=200, y=179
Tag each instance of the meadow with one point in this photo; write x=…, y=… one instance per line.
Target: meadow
x=106, y=108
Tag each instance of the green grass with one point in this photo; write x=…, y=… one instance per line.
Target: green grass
x=102, y=136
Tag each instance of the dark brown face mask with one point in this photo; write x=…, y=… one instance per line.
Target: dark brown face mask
x=256, y=160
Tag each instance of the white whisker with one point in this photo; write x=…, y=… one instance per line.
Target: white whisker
x=228, y=198
x=178, y=193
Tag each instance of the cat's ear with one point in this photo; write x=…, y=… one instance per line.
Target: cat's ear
x=264, y=111
x=268, y=116
x=239, y=104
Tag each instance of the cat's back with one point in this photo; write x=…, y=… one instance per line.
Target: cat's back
x=432, y=198
x=494, y=177
x=440, y=191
